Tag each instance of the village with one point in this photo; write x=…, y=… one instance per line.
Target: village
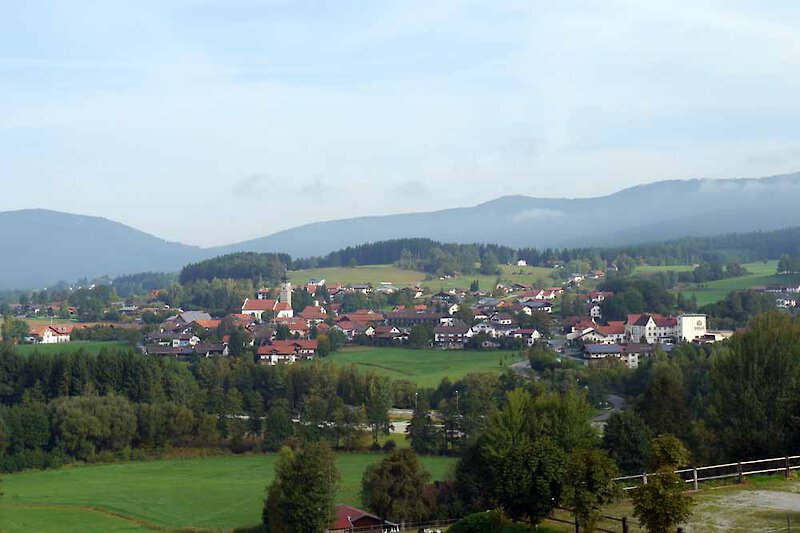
x=509, y=317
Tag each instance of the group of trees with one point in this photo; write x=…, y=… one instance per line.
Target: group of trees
x=265, y=267
x=789, y=264
x=634, y=295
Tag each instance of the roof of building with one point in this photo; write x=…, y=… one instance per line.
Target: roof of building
x=346, y=515
x=258, y=305
x=459, y=327
x=603, y=349
x=208, y=324
x=193, y=316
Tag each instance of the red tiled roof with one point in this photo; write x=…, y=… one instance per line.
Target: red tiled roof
x=615, y=329
x=346, y=515
x=259, y=305
x=208, y=324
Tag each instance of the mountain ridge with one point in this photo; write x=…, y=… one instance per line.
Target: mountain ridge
x=49, y=246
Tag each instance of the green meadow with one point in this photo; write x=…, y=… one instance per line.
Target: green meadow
x=214, y=493
x=427, y=367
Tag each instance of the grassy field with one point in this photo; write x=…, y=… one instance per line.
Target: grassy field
x=648, y=269
x=511, y=274
x=92, y=347
x=386, y=273
x=374, y=274
x=208, y=493
x=426, y=368
x=761, y=273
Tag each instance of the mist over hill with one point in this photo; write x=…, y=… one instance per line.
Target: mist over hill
x=40, y=247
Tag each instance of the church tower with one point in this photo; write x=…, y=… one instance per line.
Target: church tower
x=286, y=290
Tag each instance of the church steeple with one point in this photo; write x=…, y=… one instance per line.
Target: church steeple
x=286, y=289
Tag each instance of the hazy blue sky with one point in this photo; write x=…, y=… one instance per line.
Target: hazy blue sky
x=213, y=122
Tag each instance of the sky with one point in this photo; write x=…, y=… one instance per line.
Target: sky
x=212, y=122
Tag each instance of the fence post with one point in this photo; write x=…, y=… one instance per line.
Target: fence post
x=644, y=479
x=624, y=524
x=739, y=470
x=694, y=478
x=788, y=469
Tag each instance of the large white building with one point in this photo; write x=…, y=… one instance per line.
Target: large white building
x=653, y=328
x=691, y=327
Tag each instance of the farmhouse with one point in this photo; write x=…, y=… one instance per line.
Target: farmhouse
x=350, y=519
x=52, y=334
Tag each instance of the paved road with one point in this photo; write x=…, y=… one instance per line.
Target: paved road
x=617, y=406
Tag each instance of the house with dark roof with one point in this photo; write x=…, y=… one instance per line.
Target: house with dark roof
x=597, y=353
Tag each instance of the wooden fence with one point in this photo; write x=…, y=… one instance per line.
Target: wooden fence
x=738, y=470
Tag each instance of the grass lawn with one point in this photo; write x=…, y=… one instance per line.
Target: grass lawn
x=214, y=492
x=424, y=367
x=761, y=273
x=92, y=347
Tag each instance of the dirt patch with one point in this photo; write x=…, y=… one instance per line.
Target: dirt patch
x=747, y=510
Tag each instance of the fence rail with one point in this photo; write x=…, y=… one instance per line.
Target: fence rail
x=738, y=470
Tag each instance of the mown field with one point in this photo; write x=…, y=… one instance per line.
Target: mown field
x=386, y=273
x=208, y=493
x=426, y=368
x=92, y=347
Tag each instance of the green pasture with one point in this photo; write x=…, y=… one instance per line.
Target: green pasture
x=208, y=493
x=427, y=367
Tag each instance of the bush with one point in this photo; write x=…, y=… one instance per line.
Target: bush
x=389, y=446
x=489, y=522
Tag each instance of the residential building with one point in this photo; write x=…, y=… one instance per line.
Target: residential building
x=451, y=336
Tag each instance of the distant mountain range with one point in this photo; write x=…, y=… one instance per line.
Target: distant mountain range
x=41, y=247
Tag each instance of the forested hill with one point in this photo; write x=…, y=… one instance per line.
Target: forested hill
x=41, y=247
x=431, y=256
